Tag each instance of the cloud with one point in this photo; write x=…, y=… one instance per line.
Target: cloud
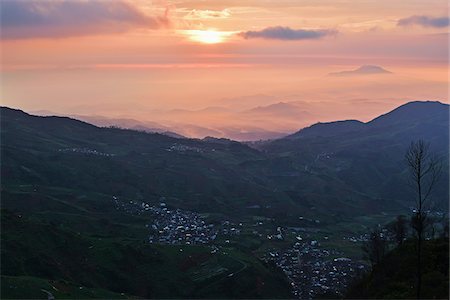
x=286, y=33
x=56, y=19
x=363, y=70
x=426, y=21
x=198, y=14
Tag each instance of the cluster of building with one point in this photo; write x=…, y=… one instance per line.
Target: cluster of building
x=173, y=226
x=84, y=151
x=131, y=207
x=183, y=148
x=324, y=155
x=313, y=272
x=179, y=227
x=358, y=238
x=230, y=228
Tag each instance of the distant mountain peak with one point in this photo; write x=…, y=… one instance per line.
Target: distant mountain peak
x=408, y=113
x=372, y=69
x=326, y=129
x=363, y=70
x=412, y=110
x=423, y=102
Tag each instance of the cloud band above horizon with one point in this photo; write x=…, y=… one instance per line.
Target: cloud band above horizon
x=287, y=33
x=425, y=21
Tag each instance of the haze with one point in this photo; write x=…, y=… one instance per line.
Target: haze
x=245, y=70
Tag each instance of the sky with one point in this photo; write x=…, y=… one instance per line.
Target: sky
x=246, y=69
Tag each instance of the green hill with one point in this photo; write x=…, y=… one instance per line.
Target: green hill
x=62, y=152
x=362, y=164
x=394, y=276
x=38, y=255
x=358, y=167
x=61, y=231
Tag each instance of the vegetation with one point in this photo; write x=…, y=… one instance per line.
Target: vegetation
x=375, y=247
x=39, y=255
x=62, y=234
x=300, y=175
x=395, y=276
x=398, y=229
x=425, y=171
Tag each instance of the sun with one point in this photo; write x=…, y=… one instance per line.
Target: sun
x=209, y=36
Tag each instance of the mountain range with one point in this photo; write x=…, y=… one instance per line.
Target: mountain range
x=257, y=122
x=59, y=176
x=324, y=156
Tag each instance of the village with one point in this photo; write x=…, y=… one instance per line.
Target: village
x=176, y=226
x=183, y=148
x=179, y=227
x=311, y=270
x=84, y=151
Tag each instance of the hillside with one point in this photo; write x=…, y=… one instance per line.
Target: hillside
x=70, y=190
x=394, y=277
x=364, y=157
x=55, y=151
x=72, y=265
x=63, y=232
x=336, y=162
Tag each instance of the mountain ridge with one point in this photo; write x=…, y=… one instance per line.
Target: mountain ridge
x=255, y=171
x=412, y=109
x=71, y=175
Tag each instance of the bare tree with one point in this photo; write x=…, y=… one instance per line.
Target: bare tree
x=424, y=170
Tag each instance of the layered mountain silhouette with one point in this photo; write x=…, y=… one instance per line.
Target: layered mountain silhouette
x=323, y=163
x=60, y=177
x=415, y=113
x=280, y=110
x=367, y=157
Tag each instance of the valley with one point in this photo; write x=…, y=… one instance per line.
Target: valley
x=122, y=213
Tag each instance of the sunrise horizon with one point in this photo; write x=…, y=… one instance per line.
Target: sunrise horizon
x=172, y=62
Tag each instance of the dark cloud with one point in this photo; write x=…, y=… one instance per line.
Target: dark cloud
x=55, y=19
x=425, y=21
x=286, y=33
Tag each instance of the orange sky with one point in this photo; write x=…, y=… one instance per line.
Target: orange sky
x=166, y=61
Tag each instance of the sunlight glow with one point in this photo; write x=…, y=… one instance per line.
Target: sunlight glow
x=208, y=36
